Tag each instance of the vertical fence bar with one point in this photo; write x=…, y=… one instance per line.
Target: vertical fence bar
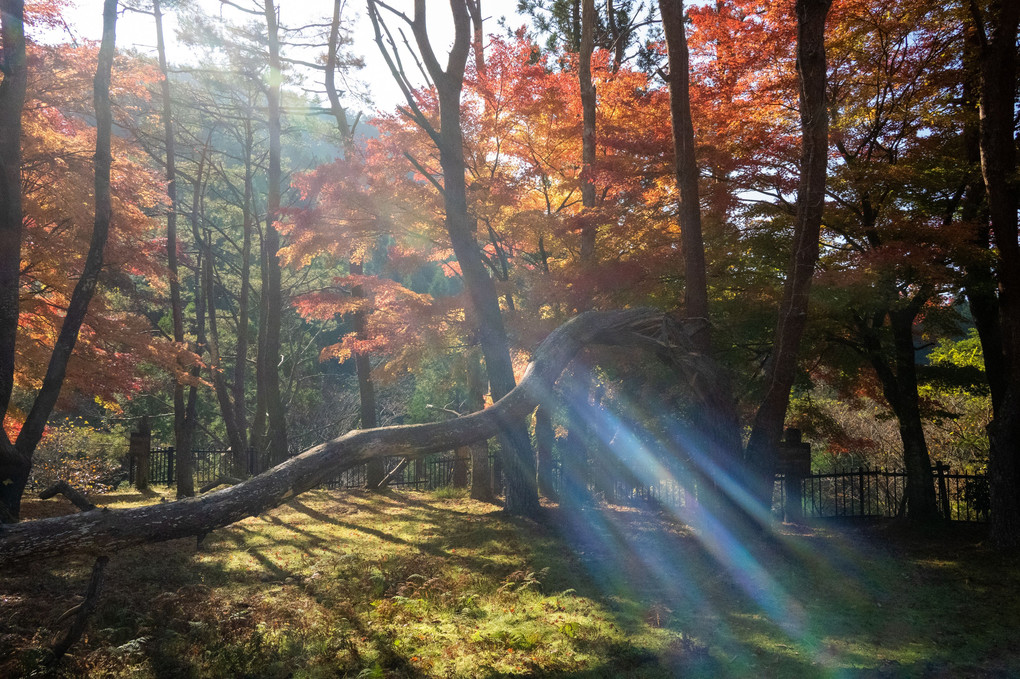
x=941, y=470
x=860, y=489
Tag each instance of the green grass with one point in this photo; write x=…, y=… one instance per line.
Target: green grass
x=420, y=585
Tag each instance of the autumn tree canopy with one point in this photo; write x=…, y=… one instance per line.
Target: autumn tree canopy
x=819, y=184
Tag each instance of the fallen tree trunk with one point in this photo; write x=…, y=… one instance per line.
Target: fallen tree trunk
x=104, y=531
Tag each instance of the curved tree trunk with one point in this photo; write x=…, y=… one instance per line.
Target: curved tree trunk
x=106, y=531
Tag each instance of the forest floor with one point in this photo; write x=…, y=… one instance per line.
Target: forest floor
x=406, y=584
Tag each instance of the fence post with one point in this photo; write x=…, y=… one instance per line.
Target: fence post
x=170, y=455
x=139, y=449
x=941, y=470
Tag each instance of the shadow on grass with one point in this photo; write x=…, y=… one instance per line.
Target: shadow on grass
x=302, y=588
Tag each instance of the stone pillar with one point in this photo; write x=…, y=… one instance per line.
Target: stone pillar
x=461, y=459
x=795, y=462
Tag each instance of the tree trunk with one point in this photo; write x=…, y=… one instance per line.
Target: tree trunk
x=588, y=230
x=999, y=169
x=272, y=291
x=477, y=34
x=366, y=389
x=715, y=420
x=921, y=504
x=186, y=434
x=515, y=446
x=12, y=101
x=336, y=108
x=518, y=461
x=979, y=280
x=545, y=441
x=16, y=460
x=107, y=531
x=259, y=435
x=183, y=429
x=771, y=414
x=481, y=471
x=235, y=435
x=692, y=242
x=14, y=466
x=244, y=305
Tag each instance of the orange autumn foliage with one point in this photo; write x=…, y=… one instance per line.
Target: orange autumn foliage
x=58, y=144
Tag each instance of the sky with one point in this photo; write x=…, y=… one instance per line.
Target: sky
x=136, y=31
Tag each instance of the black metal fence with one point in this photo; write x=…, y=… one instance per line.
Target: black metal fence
x=207, y=465
x=881, y=493
x=862, y=492
x=429, y=473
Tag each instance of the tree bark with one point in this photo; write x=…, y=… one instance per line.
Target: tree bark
x=517, y=456
x=588, y=102
x=12, y=101
x=366, y=388
x=481, y=470
x=691, y=240
x=899, y=386
x=767, y=429
x=16, y=460
x=979, y=279
x=244, y=306
x=105, y=531
x=272, y=291
x=14, y=466
x=235, y=435
x=715, y=420
x=998, y=57
x=545, y=441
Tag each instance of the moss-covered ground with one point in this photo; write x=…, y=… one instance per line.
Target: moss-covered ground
x=406, y=584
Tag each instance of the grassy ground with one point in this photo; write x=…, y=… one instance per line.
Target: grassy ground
x=421, y=585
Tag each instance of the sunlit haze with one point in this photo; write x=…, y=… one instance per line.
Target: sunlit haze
x=135, y=31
